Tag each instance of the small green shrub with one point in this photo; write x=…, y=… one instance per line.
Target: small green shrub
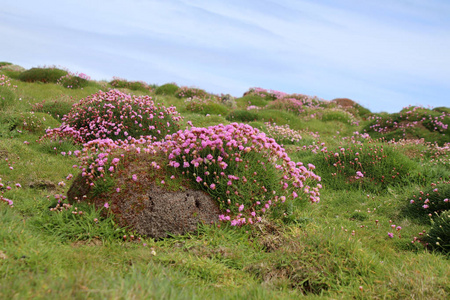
x=252, y=99
x=167, y=89
x=442, y=109
x=4, y=63
x=7, y=97
x=362, y=111
x=242, y=116
x=131, y=85
x=45, y=75
x=205, y=107
x=56, y=108
x=73, y=82
x=336, y=115
x=438, y=237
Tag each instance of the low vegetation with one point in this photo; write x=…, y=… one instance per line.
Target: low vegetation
x=318, y=199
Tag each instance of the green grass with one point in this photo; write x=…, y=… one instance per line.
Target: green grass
x=338, y=248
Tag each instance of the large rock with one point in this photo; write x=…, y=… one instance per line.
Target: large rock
x=149, y=209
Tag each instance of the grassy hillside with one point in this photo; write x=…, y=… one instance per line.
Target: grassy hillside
x=381, y=229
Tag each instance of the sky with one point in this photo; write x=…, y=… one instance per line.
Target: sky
x=383, y=54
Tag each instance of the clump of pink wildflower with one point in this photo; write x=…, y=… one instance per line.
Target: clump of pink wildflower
x=116, y=115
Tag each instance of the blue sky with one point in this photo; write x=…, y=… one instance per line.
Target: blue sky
x=383, y=54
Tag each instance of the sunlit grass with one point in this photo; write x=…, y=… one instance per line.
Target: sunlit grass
x=339, y=248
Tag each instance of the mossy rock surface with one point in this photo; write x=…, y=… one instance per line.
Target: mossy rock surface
x=147, y=208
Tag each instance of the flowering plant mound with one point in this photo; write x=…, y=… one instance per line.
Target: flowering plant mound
x=412, y=122
x=244, y=170
x=429, y=202
x=116, y=115
x=369, y=165
x=5, y=81
x=284, y=101
x=189, y=92
x=283, y=134
x=74, y=81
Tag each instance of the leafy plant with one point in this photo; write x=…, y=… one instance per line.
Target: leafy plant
x=167, y=89
x=438, y=237
x=71, y=81
x=45, y=75
x=432, y=200
x=242, y=116
x=131, y=85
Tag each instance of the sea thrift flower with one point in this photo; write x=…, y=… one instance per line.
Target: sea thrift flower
x=134, y=177
x=390, y=234
x=106, y=205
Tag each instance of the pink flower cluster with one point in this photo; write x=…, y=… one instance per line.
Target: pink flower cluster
x=116, y=115
x=3, y=199
x=4, y=81
x=283, y=132
x=410, y=117
x=217, y=158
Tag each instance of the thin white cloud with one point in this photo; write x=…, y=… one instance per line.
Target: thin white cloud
x=376, y=51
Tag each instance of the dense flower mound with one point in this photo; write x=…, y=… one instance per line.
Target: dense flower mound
x=283, y=134
x=412, y=122
x=247, y=172
x=117, y=116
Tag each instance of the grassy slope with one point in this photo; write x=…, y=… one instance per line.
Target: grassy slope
x=329, y=250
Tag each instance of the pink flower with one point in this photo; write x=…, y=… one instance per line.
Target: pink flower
x=241, y=207
x=294, y=194
x=134, y=177
x=106, y=205
x=390, y=234
x=198, y=179
x=118, y=190
x=212, y=186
